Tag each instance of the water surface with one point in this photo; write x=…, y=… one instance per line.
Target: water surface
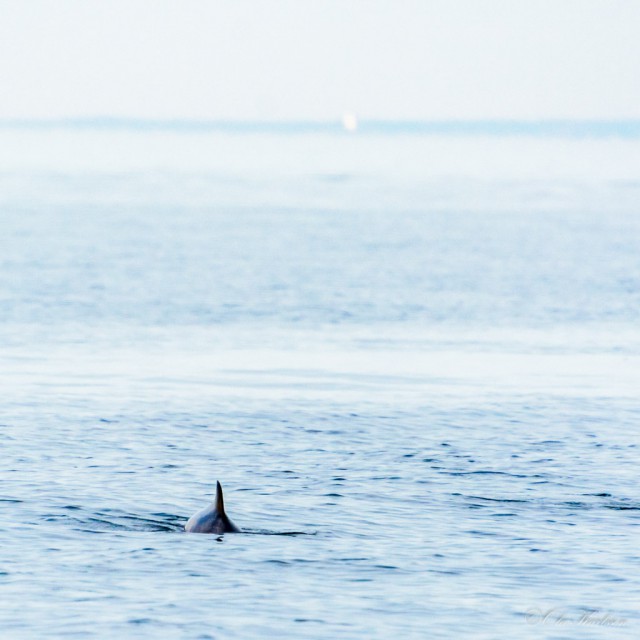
x=423, y=364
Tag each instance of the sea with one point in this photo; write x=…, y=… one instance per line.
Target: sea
x=410, y=353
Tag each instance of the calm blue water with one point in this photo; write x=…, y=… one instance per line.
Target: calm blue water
x=413, y=361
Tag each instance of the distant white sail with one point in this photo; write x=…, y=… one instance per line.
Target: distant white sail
x=349, y=121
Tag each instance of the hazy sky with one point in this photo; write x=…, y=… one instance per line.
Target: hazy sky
x=315, y=59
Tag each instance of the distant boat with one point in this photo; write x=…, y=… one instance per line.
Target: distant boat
x=349, y=122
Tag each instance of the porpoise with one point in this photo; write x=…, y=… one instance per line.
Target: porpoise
x=211, y=519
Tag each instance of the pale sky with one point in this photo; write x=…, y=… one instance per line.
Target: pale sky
x=316, y=59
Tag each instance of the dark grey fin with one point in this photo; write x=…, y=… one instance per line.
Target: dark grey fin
x=212, y=519
x=219, y=500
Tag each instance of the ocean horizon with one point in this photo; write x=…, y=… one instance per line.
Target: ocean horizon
x=546, y=127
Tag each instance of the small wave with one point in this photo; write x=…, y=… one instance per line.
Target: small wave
x=264, y=532
x=495, y=473
x=622, y=507
x=490, y=499
x=106, y=521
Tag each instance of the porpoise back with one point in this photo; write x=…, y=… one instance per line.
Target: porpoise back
x=212, y=519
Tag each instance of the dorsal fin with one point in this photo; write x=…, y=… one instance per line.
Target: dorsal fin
x=219, y=499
